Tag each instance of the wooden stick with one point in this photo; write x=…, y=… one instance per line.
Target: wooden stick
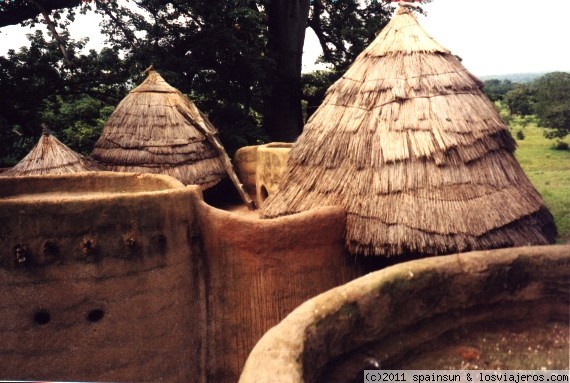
x=226, y=162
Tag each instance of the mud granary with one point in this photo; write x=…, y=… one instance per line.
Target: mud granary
x=126, y=277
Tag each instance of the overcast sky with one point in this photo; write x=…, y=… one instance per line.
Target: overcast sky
x=503, y=36
x=491, y=36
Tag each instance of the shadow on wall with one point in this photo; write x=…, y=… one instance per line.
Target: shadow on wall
x=129, y=277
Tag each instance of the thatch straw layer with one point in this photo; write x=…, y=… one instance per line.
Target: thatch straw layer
x=417, y=155
x=156, y=129
x=51, y=156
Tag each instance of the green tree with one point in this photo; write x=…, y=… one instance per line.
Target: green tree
x=519, y=100
x=239, y=59
x=315, y=85
x=79, y=120
x=35, y=83
x=213, y=51
x=497, y=89
x=553, y=103
x=15, y=12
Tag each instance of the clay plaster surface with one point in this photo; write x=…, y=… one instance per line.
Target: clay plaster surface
x=259, y=270
x=260, y=168
x=388, y=312
x=123, y=277
x=98, y=286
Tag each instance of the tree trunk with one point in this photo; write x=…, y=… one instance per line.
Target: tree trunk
x=287, y=21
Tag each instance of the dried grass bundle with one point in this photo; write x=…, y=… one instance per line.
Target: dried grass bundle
x=51, y=156
x=156, y=129
x=418, y=156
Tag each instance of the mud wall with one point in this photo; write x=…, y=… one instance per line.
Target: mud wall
x=258, y=271
x=99, y=286
x=271, y=164
x=122, y=277
x=260, y=168
x=386, y=314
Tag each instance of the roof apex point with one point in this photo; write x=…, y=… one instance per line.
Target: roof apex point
x=148, y=70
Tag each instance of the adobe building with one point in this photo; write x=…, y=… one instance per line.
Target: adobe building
x=133, y=277
x=129, y=277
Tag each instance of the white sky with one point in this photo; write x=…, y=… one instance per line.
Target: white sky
x=492, y=36
x=503, y=36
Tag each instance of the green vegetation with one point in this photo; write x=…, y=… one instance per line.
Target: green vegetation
x=548, y=169
x=552, y=95
x=547, y=97
x=497, y=89
x=240, y=61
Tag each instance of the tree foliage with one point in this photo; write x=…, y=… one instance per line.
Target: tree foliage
x=497, y=89
x=34, y=83
x=547, y=97
x=345, y=27
x=14, y=12
x=239, y=60
x=552, y=93
x=519, y=100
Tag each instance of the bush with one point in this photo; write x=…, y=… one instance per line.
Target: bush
x=520, y=135
x=561, y=145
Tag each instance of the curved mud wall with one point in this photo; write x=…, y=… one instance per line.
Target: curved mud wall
x=259, y=270
x=99, y=286
x=261, y=167
x=387, y=313
x=132, y=278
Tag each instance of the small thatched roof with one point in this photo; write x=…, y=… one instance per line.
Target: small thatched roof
x=157, y=129
x=51, y=156
x=414, y=151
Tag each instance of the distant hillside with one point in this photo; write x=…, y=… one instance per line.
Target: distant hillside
x=514, y=77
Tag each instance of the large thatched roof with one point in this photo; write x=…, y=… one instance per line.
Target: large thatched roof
x=51, y=156
x=409, y=145
x=156, y=129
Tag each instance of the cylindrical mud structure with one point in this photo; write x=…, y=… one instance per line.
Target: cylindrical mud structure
x=98, y=281
x=271, y=165
x=134, y=278
x=257, y=271
x=376, y=320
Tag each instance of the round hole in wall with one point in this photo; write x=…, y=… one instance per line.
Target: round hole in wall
x=42, y=317
x=95, y=315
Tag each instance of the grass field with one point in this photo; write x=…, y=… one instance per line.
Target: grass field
x=549, y=171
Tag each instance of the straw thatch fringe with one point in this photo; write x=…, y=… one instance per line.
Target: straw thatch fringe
x=202, y=175
x=51, y=156
x=420, y=159
x=396, y=240
x=148, y=133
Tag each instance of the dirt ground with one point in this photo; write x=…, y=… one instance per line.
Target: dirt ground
x=503, y=347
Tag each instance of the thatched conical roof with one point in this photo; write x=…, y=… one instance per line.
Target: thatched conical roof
x=157, y=129
x=414, y=151
x=51, y=156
